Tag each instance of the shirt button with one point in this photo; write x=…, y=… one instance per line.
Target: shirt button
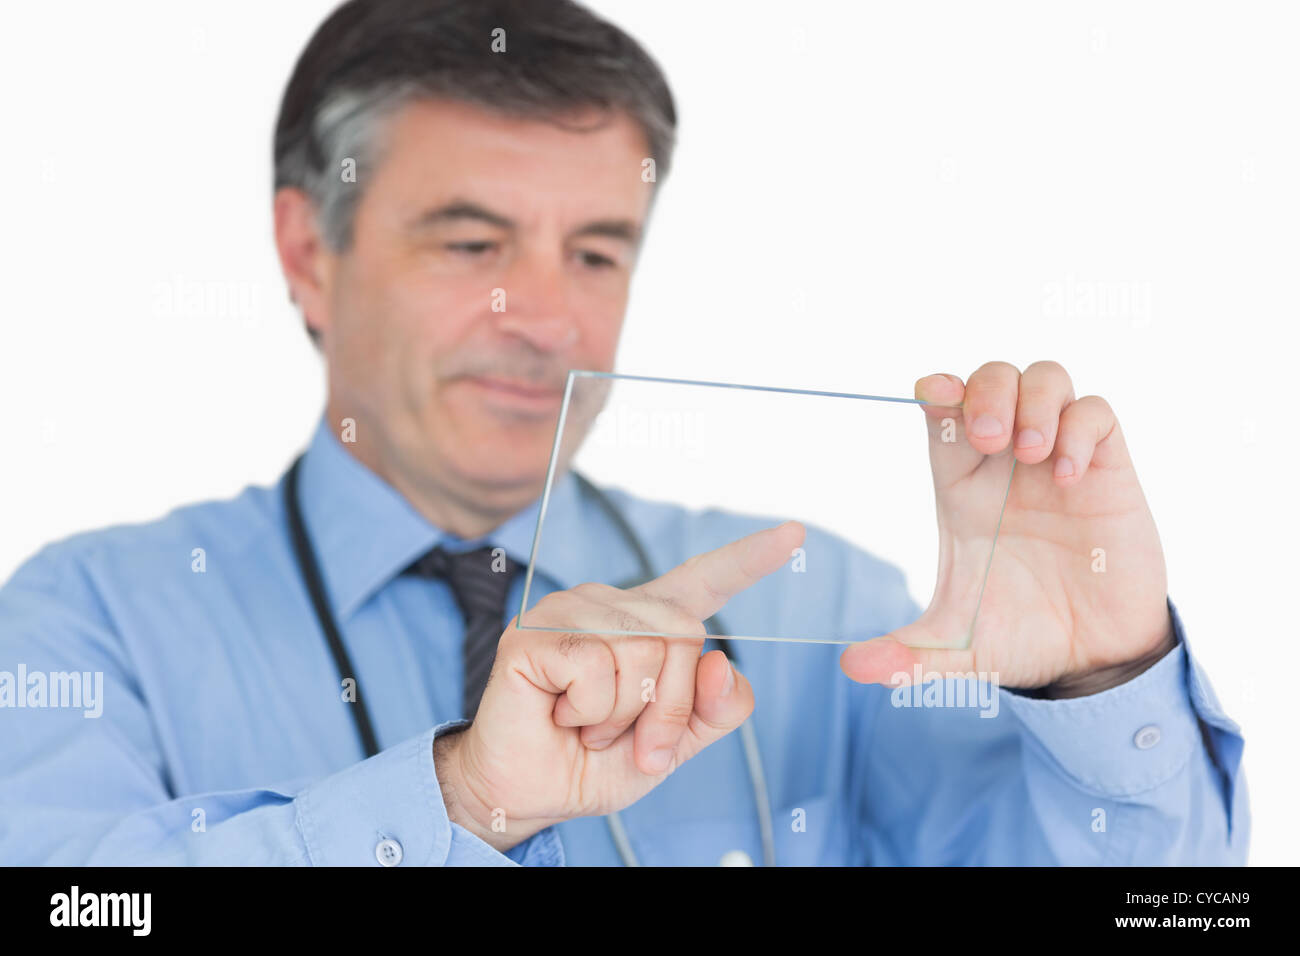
x=1147, y=737
x=388, y=852
x=735, y=858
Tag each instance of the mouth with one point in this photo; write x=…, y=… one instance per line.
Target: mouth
x=518, y=396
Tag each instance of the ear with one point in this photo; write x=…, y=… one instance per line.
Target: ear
x=304, y=258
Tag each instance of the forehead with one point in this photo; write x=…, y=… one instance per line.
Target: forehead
x=439, y=149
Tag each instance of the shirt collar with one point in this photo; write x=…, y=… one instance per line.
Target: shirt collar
x=365, y=533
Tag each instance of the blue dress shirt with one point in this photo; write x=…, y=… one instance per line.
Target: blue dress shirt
x=223, y=736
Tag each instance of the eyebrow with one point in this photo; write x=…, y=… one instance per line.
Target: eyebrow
x=457, y=211
x=624, y=229
x=461, y=210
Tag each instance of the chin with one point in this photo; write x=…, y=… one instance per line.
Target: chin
x=504, y=461
x=492, y=442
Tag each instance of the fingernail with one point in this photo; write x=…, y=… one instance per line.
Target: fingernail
x=600, y=743
x=730, y=682
x=659, y=759
x=1064, y=468
x=1029, y=438
x=986, y=426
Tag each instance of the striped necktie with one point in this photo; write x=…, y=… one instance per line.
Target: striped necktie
x=480, y=590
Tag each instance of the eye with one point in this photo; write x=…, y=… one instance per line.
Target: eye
x=595, y=260
x=473, y=248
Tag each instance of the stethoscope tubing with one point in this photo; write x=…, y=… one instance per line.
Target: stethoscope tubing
x=309, y=569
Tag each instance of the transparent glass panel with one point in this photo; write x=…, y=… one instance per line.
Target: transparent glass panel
x=693, y=466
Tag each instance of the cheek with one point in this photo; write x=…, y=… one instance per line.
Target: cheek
x=600, y=335
x=417, y=324
x=599, y=311
x=368, y=336
x=439, y=327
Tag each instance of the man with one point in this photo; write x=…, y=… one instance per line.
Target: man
x=431, y=155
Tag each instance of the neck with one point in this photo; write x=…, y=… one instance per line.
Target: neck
x=447, y=508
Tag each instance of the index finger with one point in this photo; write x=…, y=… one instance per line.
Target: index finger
x=702, y=585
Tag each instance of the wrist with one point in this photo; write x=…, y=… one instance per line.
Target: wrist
x=1104, y=678
x=464, y=807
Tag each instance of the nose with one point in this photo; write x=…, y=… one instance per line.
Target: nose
x=537, y=307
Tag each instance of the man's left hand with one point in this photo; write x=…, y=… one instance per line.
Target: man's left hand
x=1048, y=617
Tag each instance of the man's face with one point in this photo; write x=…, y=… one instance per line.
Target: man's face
x=490, y=255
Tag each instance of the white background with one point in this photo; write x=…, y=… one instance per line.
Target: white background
x=863, y=194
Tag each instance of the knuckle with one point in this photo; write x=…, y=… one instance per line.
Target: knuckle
x=1047, y=365
x=688, y=624
x=675, y=712
x=622, y=619
x=597, y=661
x=509, y=644
x=572, y=645
x=675, y=614
x=555, y=602
x=1040, y=396
x=641, y=655
x=998, y=372
x=593, y=590
x=1089, y=411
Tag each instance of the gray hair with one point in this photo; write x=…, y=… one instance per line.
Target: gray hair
x=372, y=57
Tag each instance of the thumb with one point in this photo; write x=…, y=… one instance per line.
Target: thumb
x=882, y=659
x=723, y=701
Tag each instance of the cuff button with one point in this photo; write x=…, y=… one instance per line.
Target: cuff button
x=1147, y=737
x=388, y=852
x=735, y=858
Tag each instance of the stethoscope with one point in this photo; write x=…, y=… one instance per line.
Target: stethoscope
x=309, y=569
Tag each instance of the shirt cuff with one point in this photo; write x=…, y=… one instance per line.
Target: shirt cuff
x=1136, y=736
x=541, y=849
x=388, y=810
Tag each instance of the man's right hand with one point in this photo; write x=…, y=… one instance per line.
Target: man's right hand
x=573, y=725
